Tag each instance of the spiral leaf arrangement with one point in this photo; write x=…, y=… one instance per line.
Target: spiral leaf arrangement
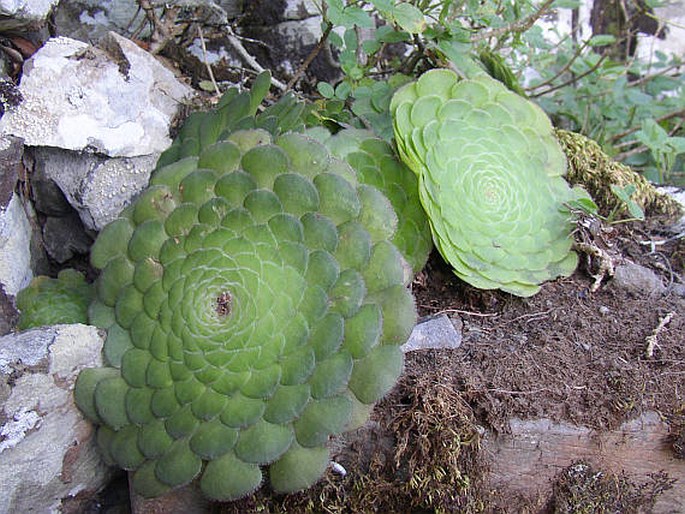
x=254, y=306
x=50, y=301
x=377, y=165
x=491, y=179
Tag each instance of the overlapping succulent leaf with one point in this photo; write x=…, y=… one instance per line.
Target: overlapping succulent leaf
x=491, y=179
x=377, y=165
x=254, y=306
x=50, y=301
x=237, y=110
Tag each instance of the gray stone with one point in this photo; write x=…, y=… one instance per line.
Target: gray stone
x=16, y=14
x=47, y=197
x=434, y=332
x=64, y=237
x=8, y=312
x=11, y=151
x=90, y=20
x=47, y=449
x=678, y=289
x=15, y=242
x=637, y=279
x=300, y=9
x=97, y=187
x=673, y=42
x=118, y=102
x=15, y=229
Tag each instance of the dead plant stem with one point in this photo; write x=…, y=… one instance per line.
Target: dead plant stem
x=206, y=61
x=652, y=340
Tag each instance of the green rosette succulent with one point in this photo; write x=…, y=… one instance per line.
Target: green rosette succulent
x=50, y=301
x=491, y=179
x=377, y=165
x=254, y=307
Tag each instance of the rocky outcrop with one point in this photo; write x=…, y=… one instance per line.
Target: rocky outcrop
x=47, y=452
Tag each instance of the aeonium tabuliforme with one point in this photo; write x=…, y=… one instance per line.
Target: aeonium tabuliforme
x=491, y=179
x=254, y=306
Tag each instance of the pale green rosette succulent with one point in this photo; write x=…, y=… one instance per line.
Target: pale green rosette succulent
x=378, y=166
x=50, y=301
x=491, y=179
x=254, y=307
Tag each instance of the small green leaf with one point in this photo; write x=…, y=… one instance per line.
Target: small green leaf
x=409, y=18
x=335, y=40
x=635, y=210
x=621, y=193
x=383, y=5
x=358, y=16
x=371, y=46
x=387, y=34
x=343, y=90
x=207, y=85
x=351, y=39
x=566, y=4
x=584, y=204
x=325, y=89
x=601, y=40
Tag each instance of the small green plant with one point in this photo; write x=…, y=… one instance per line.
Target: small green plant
x=664, y=148
x=49, y=301
x=624, y=194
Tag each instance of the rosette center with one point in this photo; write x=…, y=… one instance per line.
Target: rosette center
x=224, y=304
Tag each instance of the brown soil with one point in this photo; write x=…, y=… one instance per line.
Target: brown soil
x=566, y=353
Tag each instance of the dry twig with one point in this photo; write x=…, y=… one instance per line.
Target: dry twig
x=248, y=58
x=204, y=57
x=651, y=340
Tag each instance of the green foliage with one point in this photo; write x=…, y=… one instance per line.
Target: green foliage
x=244, y=328
x=631, y=108
x=585, y=85
x=490, y=179
x=624, y=194
x=49, y=301
x=665, y=148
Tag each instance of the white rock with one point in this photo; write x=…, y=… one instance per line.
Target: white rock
x=301, y=32
x=434, y=332
x=678, y=194
x=27, y=10
x=671, y=13
x=78, y=97
x=300, y=9
x=98, y=188
x=15, y=240
x=47, y=452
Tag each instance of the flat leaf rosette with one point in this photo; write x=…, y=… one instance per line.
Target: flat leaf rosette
x=491, y=178
x=377, y=165
x=254, y=307
x=49, y=301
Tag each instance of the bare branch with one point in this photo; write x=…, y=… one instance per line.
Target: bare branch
x=248, y=58
x=517, y=26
